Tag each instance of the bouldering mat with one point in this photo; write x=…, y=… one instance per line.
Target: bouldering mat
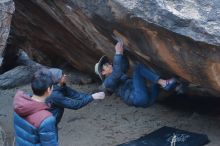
x=168, y=136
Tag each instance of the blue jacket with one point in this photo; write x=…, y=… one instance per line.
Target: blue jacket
x=65, y=97
x=118, y=82
x=28, y=135
x=34, y=124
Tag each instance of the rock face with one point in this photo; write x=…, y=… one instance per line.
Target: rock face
x=195, y=19
x=6, y=10
x=175, y=37
x=22, y=74
x=2, y=137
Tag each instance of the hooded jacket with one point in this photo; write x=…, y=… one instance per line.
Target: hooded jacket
x=34, y=124
x=65, y=97
x=57, y=74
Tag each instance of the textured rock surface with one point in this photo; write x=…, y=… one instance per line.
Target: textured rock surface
x=6, y=10
x=19, y=75
x=2, y=137
x=197, y=19
x=175, y=37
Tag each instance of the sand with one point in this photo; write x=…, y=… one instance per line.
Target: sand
x=110, y=122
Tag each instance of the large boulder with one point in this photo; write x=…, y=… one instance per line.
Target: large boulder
x=175, y=37
x=6, y=10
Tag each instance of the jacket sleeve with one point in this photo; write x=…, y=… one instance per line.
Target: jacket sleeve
x=117, y=66
x=75, y=101
x=71, y=93
x=110, y=82
x=47, y=132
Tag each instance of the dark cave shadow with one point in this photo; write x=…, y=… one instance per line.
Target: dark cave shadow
x=209, y=106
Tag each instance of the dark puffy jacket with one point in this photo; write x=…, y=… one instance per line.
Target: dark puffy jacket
x=34, y=125
x=118, y=82
x=65, y=97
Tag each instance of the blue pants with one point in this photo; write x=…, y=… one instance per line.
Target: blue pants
x=141, y=96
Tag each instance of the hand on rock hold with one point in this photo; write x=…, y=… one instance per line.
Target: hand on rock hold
x=119, y=48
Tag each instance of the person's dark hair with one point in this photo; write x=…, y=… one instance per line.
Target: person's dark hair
x=41, y=80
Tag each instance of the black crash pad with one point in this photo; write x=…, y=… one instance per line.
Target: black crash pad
x=165, y=135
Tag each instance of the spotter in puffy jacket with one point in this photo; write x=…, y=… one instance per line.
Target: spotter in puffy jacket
x=34, y=124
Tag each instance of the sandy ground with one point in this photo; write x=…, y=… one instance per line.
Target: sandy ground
x=111, y=122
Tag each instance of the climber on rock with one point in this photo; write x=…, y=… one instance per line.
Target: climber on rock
x=133, y=91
